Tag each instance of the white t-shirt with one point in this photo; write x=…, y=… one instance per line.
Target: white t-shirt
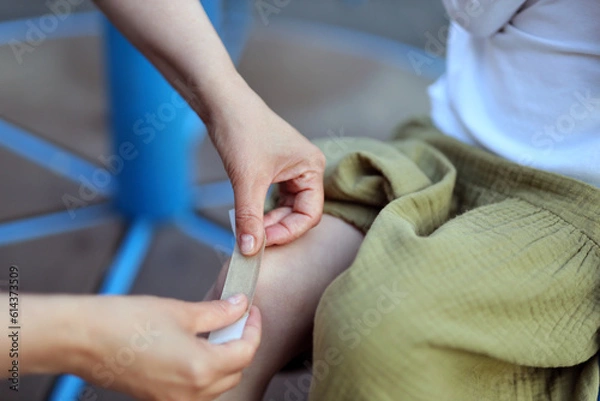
x=523, y=81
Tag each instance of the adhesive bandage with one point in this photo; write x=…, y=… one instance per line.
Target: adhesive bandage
x=242, y=277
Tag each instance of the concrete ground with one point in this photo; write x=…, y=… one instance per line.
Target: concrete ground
x=58, y=92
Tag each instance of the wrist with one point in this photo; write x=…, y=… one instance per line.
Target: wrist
x=223, y=105
x=56, y=336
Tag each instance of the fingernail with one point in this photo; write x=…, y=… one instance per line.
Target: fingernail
x=247, y=243
x=236, y=299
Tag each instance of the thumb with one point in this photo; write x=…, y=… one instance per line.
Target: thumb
x=249, y=210
x=214, y=315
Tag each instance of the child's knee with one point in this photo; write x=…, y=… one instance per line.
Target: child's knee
x=269, y=279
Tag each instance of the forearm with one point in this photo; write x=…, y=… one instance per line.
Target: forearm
x=52, y=336
x=179, y=39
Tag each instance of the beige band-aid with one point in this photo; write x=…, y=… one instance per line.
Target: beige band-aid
x=242, y=277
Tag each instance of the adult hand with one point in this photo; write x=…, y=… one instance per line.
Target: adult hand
x=259, y=148
x=144, y=346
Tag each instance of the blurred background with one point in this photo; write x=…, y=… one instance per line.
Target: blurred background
x=303, y=63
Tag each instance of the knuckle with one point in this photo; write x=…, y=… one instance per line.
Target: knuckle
x=222, y=308
x=246, y=354
x=196, y=374
x=237, y=378
x=316, y=220
x=246, y=215
x=320, y=159
x=202, y=381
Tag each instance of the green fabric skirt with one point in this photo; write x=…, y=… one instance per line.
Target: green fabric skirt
x=478, y=279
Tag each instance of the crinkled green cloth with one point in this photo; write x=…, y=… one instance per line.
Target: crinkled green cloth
x=478, y=279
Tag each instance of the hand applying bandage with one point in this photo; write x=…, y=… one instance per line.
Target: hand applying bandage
x=259, y=148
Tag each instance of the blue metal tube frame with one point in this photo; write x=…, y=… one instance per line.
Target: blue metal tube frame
x=207, y=232
x=236, y=25
x=54, y=158
x=27, y=229
x=147, y=120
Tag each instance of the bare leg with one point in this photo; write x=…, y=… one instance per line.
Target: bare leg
x=291, y=282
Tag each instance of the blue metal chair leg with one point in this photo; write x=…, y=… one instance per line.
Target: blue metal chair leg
x=147, y=119
x=44, y=153
x=53, y=223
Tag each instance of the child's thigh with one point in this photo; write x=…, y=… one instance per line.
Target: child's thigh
x=506, y=285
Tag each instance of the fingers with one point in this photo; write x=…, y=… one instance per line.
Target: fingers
x=208, y=316
x=236, y=355
x=249, y=208
x=253, y=329
x=283, y=225
x=276, y=215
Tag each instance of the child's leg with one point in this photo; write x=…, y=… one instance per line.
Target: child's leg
x=290, y=284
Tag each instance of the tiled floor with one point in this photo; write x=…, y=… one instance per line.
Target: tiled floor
x=59, y=92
